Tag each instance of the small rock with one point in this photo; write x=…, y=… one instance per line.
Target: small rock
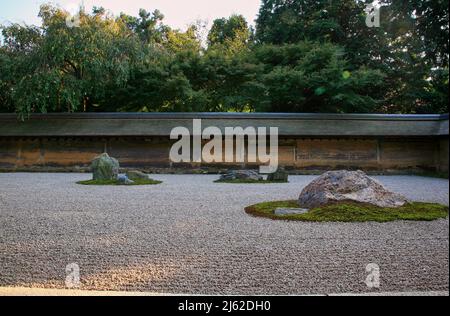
x=290, y=211
x=105, y=167
x=280, y=175
x=123, y=179
x=137, y=175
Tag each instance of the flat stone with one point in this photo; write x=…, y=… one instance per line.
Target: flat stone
x=290, y=211
x=123, y=179
x=137, y=175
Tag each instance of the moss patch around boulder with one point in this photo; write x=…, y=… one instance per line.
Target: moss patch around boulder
x=352, y=212
x=116, y=182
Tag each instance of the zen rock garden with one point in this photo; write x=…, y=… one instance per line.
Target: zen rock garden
x=335, y=196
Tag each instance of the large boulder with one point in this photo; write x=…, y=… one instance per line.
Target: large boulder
x=105, y=167
x=241, y=175
x=344, y=186
x=280, y=175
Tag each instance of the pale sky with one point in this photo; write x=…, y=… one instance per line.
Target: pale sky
x=178, y=13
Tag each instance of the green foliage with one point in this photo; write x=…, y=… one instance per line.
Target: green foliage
x=6, y=88
x=230, y=35
x=410, y=47
x=416, y=62
x=352, y=212
x=313, y=77
x=147, y=26
x=58, y=68
x=305, y=56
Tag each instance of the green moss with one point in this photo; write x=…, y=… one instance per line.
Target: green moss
x=352, y=212
x=115, y=182
x=241, y=181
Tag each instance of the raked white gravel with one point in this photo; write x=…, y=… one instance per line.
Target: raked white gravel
x=192, y=236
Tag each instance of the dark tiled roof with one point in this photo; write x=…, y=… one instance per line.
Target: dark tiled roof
x=161, y=124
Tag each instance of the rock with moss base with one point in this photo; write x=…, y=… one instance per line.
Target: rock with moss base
x=348, y=186
x=137, y=175
x=280, y=175
x=105, y=167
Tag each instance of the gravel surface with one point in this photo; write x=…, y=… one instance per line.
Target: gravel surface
x=191, y=236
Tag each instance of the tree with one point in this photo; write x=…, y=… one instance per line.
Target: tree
x=416, y=62
x=313, y=77
x=230, y=34
x=424, y=23
x=409, y=47
x=6, y=89
x=59, y=68
x=148, y=25
x=178, y=41
x=339, y=22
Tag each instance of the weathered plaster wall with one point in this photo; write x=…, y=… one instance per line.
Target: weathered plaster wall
x=301, y=154
x=307, y=142
x=443, y=155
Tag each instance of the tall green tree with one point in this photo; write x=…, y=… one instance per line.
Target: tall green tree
x=232, y=34
x=410, y=46
x=313, y=77
x=416, y=61
x=147, y=25
x=61, y=68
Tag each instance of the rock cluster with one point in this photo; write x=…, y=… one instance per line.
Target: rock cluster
x=241, y=175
